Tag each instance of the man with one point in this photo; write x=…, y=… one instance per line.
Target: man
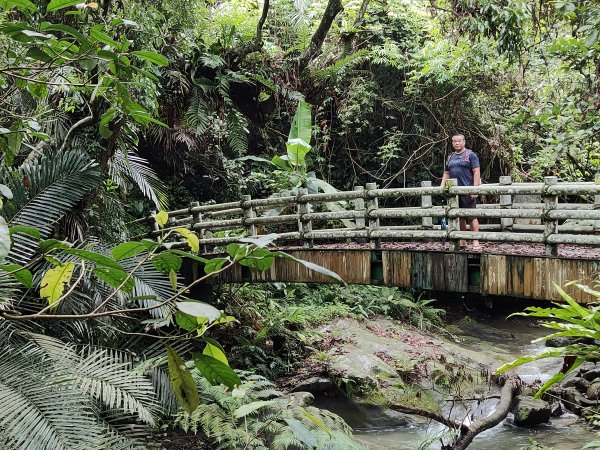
x=463, y=165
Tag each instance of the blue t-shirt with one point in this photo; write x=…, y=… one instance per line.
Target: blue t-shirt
x=461, y=165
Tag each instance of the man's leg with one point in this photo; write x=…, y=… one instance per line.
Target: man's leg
x=463, y=227
x=475, y=227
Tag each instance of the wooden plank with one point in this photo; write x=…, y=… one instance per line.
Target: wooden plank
x=516, y=276
x=538, y=279
x=528, y=277
x=421, y=270
x=484, y=283
x=397, y=268
x=502, y=275
x=457, y=273
x=439, y=269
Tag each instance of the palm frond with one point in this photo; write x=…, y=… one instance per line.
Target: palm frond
x=44, y=190
x=129, y=166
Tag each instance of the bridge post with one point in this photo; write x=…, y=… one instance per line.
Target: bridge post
x=196, y=219
x=372, y=205
x=155, y=227
x=426, y=222
x=359, y=206
x=506, y=203
x=248, y=214
x=304, y=226
x=453, y=222
x=550, y=225
x=597, y=205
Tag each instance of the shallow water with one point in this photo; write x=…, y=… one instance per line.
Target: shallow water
x=564, y=433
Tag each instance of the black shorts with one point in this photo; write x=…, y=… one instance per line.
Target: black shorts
x=465, y=201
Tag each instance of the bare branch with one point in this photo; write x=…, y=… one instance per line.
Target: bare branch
x=334, y=7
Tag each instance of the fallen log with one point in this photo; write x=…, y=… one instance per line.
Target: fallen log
x=466, y=433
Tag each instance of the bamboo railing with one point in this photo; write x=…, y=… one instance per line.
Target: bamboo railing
x=397, y=214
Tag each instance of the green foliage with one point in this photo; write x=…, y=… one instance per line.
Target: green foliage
x=242, y=418
x=569, y=320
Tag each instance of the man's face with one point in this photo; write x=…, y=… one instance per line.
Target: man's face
x=458, y=143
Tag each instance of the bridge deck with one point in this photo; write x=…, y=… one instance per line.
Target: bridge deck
x=509, y=270
x=591, y=252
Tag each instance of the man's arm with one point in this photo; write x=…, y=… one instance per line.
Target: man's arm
x=476, y=179
x=445, y=178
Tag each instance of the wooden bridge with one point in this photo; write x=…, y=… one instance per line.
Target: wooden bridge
x=533, y=235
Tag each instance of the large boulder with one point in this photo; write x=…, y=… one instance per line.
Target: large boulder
x=593, y=391
x=530, y=412
x=316, y=385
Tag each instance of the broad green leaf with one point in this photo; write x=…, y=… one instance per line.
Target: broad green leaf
x=173, y=279
x=255, y=158
x=54, y=281
x=66, y=29
x=558, y=377
x=282, y=163
x=198, y=309
x=546, y=353
x=161, y=218
x=296, y=151
x=21, y=5
x=127, y=250
x=214, y=349
x=188, y=255
x=185, y=321
x=55, y=5
x=97, y=258
x=4, y=239
x=191, y=238
x=215, y=371
x=100, y=36
x=19, y=273
x=261, y=241
x=302, y=123
x=237, y=251
x=166, y=261
x=314, y=419
x=250, y=408
x=311, y=266
x=214, y=264
x=114, y=277
x=152, y=57
x=5, y=191
x=302, y=433
x=182, y=382
x=53, y=244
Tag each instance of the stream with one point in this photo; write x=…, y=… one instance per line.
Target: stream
x=563, y=433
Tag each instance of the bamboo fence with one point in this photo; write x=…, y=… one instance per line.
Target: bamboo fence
x=566, y=213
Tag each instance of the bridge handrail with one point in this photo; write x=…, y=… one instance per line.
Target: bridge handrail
x=553, y=228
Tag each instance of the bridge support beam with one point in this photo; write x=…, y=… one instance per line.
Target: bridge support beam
x=550, y=225
x=506, y=203
x=453, y=222
x=426, y=203
x=372, y=205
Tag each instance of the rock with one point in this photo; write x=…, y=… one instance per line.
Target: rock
x=556, y=409
x=294, y=400
x=561, y=341
x=382, y=417
x=301, y=399
x=581, y=384
x=529, y=412
x=315, y=385
x=591, y=374
x=593, y=392
x=572, y=399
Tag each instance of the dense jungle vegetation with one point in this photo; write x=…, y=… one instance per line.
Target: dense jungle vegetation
x=112, y=109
